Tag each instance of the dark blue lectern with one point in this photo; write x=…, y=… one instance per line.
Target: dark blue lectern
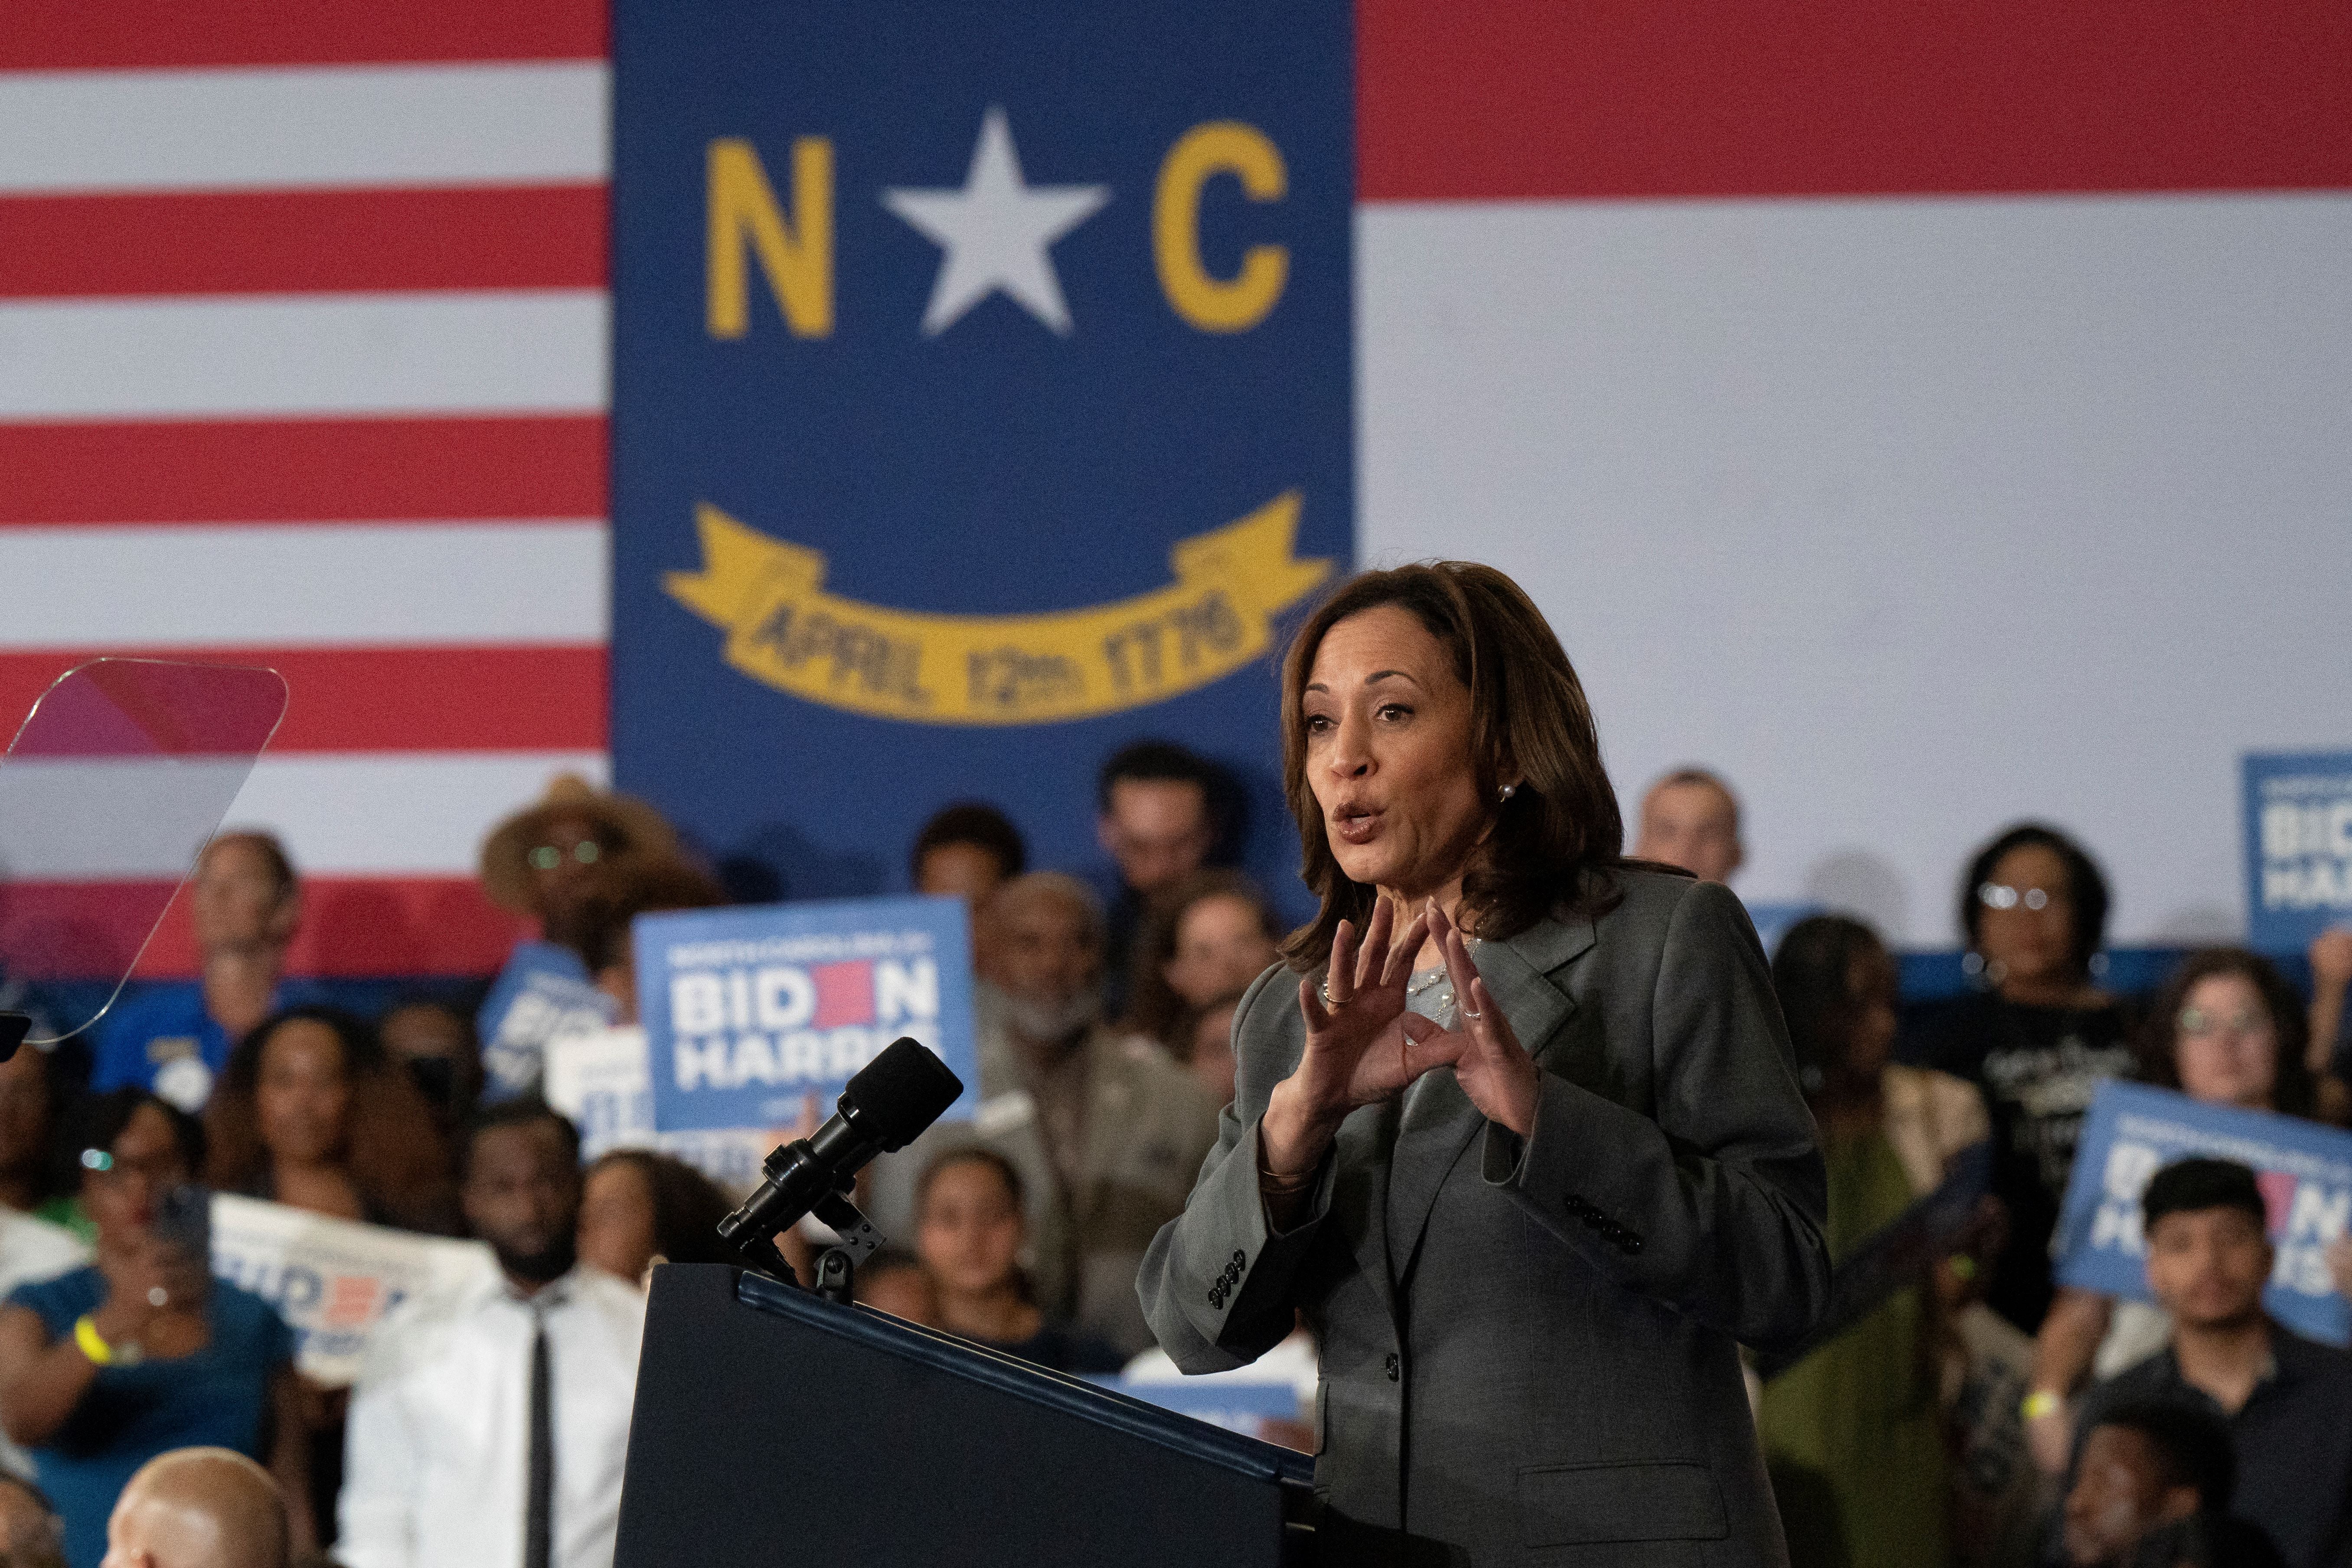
x=774, y=1426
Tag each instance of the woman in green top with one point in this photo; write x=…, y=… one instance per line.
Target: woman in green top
x=1854, y=1433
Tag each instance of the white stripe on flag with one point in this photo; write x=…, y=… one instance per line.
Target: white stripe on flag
x=349, y=585
x=375, y=125
x=410, y=815
x=537, y=351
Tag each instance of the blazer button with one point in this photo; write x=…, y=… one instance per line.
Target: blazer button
x=1631, y=1244
x=1391, y=1365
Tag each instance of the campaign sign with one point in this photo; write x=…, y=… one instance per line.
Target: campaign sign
x=334, y=1280
x=1246, y=1408
x=2304, y=1171
x=982, y=401
x=2298, y=847
x=544, y=991
x=601, y=1079
x=748, y=1011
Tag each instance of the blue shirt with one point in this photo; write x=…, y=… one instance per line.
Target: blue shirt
x=217, y=1397
x=159, y=1038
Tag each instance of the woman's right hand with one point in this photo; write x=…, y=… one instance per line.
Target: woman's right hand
x=1361, y=1048
x=134, y=1273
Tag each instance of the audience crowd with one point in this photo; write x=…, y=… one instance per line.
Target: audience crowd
x=1969, y=1413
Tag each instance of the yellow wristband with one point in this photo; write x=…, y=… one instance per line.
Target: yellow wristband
x=93, y=1344
x=2040, y=1403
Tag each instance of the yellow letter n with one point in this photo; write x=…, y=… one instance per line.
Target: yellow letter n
x=798, y=259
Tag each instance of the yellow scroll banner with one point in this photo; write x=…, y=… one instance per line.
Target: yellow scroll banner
x=783, y=628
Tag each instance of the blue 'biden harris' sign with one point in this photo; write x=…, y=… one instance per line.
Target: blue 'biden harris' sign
x=982, y=401
x=749, y=1011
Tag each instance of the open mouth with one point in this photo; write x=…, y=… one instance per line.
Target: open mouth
x=1355, y=824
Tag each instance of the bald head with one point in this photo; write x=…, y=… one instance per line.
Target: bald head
x=198, y=1508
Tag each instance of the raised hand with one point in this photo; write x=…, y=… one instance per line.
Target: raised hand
x=1492, y=1069
x=1362, y=1046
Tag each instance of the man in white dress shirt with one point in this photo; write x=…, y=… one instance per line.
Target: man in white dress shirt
x=491, y=1433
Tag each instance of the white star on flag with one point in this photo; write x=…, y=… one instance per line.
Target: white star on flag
x=995, y=232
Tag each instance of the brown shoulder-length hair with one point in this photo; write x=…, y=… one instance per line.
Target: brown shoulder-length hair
x=395, y=1156
x=1554, y=843
x=2292, y=1091
x=1156, y=1010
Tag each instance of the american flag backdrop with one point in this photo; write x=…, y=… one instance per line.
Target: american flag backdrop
x=303, y=362
x=1930, y=415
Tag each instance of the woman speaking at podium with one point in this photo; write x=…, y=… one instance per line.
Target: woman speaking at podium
x=1525, y=1143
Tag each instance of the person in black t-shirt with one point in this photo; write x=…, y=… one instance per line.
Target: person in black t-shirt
x=2037, y=1039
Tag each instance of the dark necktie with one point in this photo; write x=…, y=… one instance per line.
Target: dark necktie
x=539, y=1507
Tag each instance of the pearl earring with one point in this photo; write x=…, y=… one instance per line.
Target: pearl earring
x=1507, y=792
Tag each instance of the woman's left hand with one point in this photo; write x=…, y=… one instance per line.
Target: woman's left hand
x=1492, y=1069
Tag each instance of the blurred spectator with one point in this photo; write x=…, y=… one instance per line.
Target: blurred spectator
x=311, y=1113
x=1690, y=818
x=434, y=1043
x=2286, y=1401
x=199, y=1508
x=967, y=851
x=564, y=862
x=31, y=1534
x=638, y=1208
x=1107, y=1132
x=174, y=1038
x=1860, y=1418
x=1207, y=1037
x=36, y=1085
x=897, y=1282
x=2147, y=1464
x=2226, y=1030
x=1163, y=814
x=609, y=944
x=2330, y=1051
x=106, y=1367
x=1213, y=934
x=478, y=1423
x=31, y=1250
x=970, y=1232
x=2037, y=1039
x=559, y=862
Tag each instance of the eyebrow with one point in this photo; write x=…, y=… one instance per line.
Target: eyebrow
x=1372, y=680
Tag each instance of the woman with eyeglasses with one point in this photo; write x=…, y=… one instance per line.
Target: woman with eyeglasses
x=2038, y=1036
x=2226, y=1030
x=106, y=1367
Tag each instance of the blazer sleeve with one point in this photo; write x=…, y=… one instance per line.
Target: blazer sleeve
x=1716, y=1206
x=1216, y=1283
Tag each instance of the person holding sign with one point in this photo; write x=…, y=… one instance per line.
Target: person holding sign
x=2226, y=1030
x=2286, y=1399
x=104, y=1368
x=1523, y=1140
x=2037, y=1039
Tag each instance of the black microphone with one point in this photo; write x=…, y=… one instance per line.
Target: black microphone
x=884, y=1108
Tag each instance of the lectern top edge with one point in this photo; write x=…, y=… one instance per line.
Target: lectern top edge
x=1091, y=1401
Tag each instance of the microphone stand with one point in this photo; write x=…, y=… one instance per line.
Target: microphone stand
x=836, y=1267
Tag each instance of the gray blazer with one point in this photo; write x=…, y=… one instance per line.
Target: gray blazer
x=1530, y=1347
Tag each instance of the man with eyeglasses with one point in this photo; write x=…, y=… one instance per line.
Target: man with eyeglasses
x=563, y=863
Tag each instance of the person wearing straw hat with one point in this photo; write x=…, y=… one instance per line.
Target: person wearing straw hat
x=563, y=863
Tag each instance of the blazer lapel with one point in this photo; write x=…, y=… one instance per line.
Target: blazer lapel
x=1438, y=1118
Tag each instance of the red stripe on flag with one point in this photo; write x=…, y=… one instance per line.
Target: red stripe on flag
x=303, y=471
x=356, y=927
x=521, y=699
x=77, y=35
x=535, y=236
x=353, y=927
x=1497, y=100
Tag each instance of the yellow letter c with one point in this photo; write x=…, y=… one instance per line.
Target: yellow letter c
x=1217, y=304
